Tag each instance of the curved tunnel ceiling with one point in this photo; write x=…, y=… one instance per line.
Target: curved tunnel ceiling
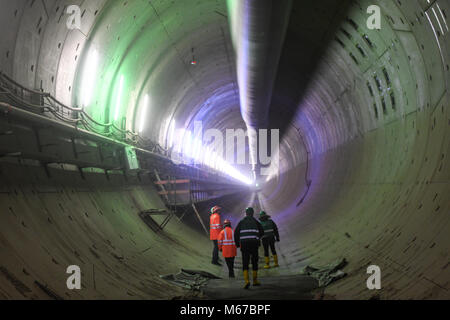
x=364, y=116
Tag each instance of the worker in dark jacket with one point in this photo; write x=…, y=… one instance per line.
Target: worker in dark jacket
x=247, y=236
x=268, y=239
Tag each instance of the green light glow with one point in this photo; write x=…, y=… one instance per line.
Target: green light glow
x=171, y=133
x=89, y=78
x=143, y=114
x=119, y=99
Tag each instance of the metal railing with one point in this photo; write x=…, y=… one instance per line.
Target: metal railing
x=43, y=103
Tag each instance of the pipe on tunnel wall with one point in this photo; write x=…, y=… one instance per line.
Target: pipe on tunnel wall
x=258, y=30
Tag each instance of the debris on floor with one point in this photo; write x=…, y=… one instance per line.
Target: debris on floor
x=328, y=274
x=190, y=279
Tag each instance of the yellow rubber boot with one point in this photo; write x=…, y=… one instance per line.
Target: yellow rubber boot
x=255, y=279
x=275, y=260
x=267, y=265
x=247, y=280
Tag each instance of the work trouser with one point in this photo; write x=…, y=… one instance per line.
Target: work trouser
x=230, y=265
x=249, y=251
x=269, y=242
x=215, y=254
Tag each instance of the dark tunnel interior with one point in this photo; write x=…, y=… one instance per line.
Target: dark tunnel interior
x=364, y=151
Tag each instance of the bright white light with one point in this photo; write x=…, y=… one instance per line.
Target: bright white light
x=217, y=162
x=187, y=143
x=87, y=85
x=171, y=134
x=208, y=155
x=143, y=114
x=214, y=161
x=439, y=21
x=192, y=149
x=221, y=166
x=179, y=140
x=233, y=172
x=119, y=99
x=211, y=160
x=443, y=17
x=197, y=152
x=205, y=156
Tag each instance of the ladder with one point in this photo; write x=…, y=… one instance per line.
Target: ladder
x=169, y=191
x=165, y=196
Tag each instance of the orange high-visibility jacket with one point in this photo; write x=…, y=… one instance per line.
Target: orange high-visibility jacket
x=226, y=243
x=214, y=226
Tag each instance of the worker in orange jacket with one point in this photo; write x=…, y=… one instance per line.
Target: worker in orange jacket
x=228, y=247
x=215, y=227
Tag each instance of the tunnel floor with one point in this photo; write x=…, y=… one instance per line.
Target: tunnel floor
x=282, y=283
x=272, y=288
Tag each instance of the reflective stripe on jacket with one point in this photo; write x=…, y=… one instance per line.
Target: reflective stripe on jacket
x=215, y=227
x=270, y=229
x=249, y=234
x=249, y=229
x=226, y=243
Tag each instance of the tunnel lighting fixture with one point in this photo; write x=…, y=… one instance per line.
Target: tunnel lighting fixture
x=211, y=160
x=436, y=36
x=143, y=113
x=192, y=150
x=443, y=17
x=171, y=134
x=119, y=99
x=218, y=163
x=87, y=85
x=205, y=156
x=179, y=140
x=208, y=157
x=197, y=150
x=187, y=142
x=214, y=160
x=222, y=165
x=439, y=21
x=233, y=172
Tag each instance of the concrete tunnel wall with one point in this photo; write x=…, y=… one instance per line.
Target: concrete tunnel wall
x=94, y=224
x=379, y=165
